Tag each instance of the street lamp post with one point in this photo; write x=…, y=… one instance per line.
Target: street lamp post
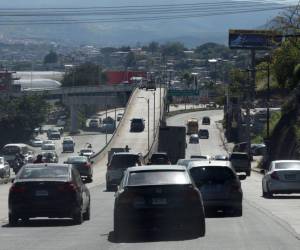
x=148, y=122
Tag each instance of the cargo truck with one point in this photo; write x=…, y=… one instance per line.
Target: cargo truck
x=172, y=141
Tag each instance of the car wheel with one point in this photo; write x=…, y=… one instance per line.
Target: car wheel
x=12, y=220
x=198, y=229
x=87, y=213
x=89, y=179
x=119, y=232
x=238, y=211
x=109, y=187
x=25, y=220
x=248, y=173
x=78, y=217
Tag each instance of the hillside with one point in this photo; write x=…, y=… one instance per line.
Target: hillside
x=191, y=31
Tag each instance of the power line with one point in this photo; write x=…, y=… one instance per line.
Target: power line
x=134, y=19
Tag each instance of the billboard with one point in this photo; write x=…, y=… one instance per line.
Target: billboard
x=254, y=39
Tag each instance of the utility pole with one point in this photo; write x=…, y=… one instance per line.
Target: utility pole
x=154, y=116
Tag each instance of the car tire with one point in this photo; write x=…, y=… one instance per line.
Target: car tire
x=109, y=187
x=12, y=219
x=89, y=179
x=238, y=212
x=87, y=213
x=248, y=173
x=78, y=217
x=198, y=229
x=119, y=231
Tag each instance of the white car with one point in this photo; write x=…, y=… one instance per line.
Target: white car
x=283, y=177
x=48, y=142
x=36, y=142
x=4, y=168
x=86, y=152
x=48, y=147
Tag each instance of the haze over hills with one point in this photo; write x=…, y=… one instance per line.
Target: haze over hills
x=191, y=31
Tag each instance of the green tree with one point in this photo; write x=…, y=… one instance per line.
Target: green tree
x=20, y=116
x=51, y=57
x=130, y=60
x=84, y=74
x=153, y=47
x=284, y=62
x=174, y=49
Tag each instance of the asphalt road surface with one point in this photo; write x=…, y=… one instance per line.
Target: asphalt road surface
x=256, y=229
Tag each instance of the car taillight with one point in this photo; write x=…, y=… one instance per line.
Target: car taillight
x=17, y=189
x=274, y=176
x=67, y=187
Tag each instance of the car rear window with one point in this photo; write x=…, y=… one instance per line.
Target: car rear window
x=77, y=159
x=239, y=157
x=211, y=173
x=159, y=156
x=158, y=178
x=124, y=161
x=287, y=165
x=44, y=172
x=137, y=120
x=67, y=142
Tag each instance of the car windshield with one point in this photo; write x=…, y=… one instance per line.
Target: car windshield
x=157, y=178
x=44, y=172
x=211, y=173
x=124, y=161
x=287, y=165
x=77, y=159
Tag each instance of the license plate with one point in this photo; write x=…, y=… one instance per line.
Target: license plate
x=290, y=176
x=159, y=201
x=41, y=193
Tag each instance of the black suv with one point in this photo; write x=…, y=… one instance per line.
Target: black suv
x=203, y=134
x=205, y=120
x=137, y=125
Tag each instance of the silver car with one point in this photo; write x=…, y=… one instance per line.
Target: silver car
x=219, y=185
x=283, y=177
x=4, y=168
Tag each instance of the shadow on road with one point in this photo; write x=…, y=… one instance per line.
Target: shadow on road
x=220, y=214
x=152, y=236
x=283, y=197
x=43, y=223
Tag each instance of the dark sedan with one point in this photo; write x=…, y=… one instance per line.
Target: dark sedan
x=83, y=165
x=48, y=190
x=137, y=125
x=158, y=196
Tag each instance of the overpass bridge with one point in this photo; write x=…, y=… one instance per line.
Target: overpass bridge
x=104, y=96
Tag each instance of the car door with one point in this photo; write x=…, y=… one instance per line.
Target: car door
x=81, y=189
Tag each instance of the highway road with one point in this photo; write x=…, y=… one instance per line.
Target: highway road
x=256, y=229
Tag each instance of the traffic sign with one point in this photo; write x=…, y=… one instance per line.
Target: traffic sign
x=183, y=92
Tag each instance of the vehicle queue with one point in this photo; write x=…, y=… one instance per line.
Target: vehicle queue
x=158, y=195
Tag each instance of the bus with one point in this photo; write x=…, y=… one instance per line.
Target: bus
x=192, y=126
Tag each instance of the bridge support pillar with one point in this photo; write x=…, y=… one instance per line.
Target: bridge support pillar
x=74, y=123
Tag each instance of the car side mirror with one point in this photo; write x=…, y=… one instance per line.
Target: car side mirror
x=242, y=177
x=12, y=180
